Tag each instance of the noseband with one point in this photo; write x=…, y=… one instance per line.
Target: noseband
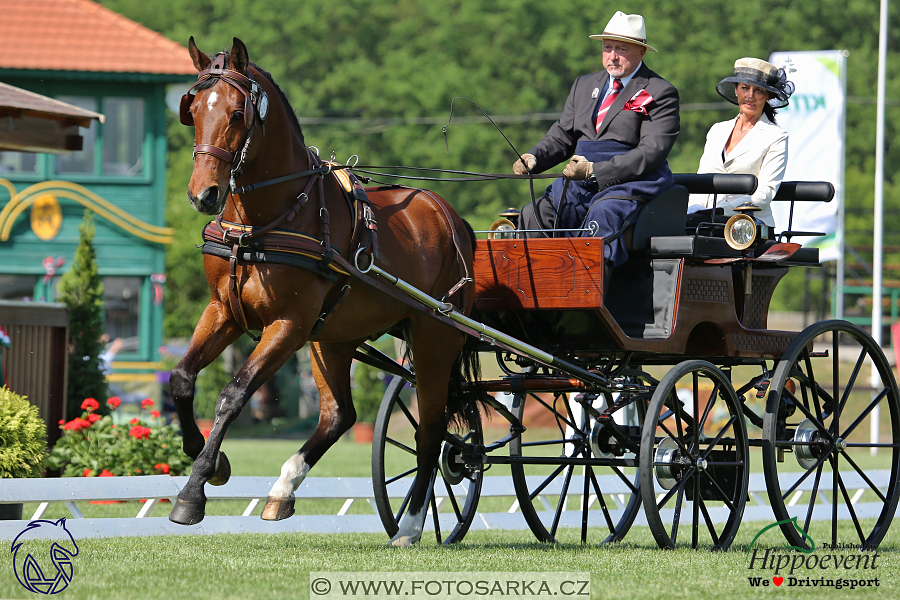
x=255, y=102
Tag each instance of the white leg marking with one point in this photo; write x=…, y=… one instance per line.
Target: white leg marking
x=211, y=100
x=293, y=472
x=410, y=529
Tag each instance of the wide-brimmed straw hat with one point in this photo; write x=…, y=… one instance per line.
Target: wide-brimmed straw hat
x=625, y=28
x=761, y=74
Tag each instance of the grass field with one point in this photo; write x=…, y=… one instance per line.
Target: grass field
x=278, y=566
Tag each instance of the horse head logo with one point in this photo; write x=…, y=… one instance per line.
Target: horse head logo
x=37, y=575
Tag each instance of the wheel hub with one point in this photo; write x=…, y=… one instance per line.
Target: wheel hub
x=668, y=464
x=805, y=437
x=452, y=471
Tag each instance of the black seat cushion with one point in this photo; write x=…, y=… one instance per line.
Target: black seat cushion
x=660, y=216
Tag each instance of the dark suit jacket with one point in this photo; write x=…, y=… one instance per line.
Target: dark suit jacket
x=652, y=135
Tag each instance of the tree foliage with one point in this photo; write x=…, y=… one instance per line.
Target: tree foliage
x=377, y=80
x=81, y=290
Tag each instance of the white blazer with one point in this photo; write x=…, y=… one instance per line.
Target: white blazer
x=762, y=152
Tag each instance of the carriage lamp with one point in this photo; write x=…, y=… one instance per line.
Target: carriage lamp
x=743, y=231
x=504, y=228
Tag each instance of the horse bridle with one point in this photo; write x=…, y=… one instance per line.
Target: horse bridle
x=256, y=101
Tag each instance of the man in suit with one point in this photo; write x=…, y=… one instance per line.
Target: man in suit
x=620, y=124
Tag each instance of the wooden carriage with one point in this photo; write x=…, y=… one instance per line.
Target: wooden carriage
x=667, y=378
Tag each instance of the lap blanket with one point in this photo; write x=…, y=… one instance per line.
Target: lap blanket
x=611, y=206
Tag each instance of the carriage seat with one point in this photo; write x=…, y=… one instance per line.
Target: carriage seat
x=663, y=215
x=698, y=246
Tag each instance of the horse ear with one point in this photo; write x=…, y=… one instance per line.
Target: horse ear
x=239, y=59
x=201, y=60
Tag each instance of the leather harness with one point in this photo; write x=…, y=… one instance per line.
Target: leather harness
x=272, y=243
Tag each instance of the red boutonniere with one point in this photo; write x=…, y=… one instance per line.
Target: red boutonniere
x=638, y=103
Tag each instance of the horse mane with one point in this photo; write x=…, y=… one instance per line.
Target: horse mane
x=207, y=83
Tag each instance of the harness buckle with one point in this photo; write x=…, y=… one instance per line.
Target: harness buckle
x=240, y=240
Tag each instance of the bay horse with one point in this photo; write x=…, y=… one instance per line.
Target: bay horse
x=272, y=196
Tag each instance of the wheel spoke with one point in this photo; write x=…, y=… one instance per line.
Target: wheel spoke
x=409, y=416
x=452, y=498
x=556, y=414
x=814, y=387
x=862, y=537
x=850, y=383
x=722, y=495
x=400, y=445
x=584, y=501
x=804, y=476
x=635, y=489
x=401, y=475
x=603, y=507
x=562, y=500
x=678, y=485
x=547, y=481
x=430, y=500
x=718, y=438
x=865, y=413
x=709, y=523
x=812, y=500
x=695, y=520
x=677, y=519
x=815, y=421
x=871, y=485
x=674, y=439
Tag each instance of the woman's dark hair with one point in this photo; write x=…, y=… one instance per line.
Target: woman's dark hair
x=770, y=112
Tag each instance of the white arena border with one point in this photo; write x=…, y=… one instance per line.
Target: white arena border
x=153, y=488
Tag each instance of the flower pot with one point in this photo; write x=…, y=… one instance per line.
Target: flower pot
x=363, y=433
x=11, y=512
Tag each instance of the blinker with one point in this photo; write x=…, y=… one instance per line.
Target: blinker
x=184, y=110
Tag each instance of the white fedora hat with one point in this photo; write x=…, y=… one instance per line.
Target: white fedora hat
x=625, y=28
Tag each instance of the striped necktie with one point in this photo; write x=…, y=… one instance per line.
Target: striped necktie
x=607, y=102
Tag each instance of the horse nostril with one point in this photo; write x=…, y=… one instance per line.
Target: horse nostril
x=212, y=196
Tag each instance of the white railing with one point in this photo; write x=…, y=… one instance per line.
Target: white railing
x=154, y=488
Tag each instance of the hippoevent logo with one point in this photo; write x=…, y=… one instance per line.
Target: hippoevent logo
x=840, y=566
x=35, y=571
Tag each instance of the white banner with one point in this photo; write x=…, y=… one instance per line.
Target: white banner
x=815, y=122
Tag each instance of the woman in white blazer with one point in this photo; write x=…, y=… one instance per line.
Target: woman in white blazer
x=750, y=143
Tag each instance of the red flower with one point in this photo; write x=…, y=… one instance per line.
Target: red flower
x=87, y=473
x=146, y=403
x=205, y=433
x=113, y=402
x=155, y=414
x=139, y=432
x=93, y=417
x=62, y=422
x=162, y=467
x=105, y=473
x=77, y=424
x=134, y=421
x=90, y=404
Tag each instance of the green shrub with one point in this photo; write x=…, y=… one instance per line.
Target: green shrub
x=23, y=442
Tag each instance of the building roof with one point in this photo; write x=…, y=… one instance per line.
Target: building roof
x=17, y=101
x=35, y=123
x=80, y=35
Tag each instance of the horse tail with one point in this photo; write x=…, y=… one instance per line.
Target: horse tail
x=464, y=395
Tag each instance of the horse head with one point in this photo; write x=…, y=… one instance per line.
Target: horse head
x=227, y=106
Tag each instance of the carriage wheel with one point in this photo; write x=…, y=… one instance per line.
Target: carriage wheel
x=455, y=488
x=816, y=436
x=600, y=496
x=694, y=459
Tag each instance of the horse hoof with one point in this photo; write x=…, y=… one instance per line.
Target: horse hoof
x=223, y=471
x=186, y=513
x=402, y=541
x=277, y=509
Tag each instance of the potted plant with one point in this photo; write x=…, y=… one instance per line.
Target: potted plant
x=23, y=443
x=93, y=445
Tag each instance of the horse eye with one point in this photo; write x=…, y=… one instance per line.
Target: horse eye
x=237, y=115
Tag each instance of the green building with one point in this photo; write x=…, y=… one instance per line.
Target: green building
x=81, y=53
